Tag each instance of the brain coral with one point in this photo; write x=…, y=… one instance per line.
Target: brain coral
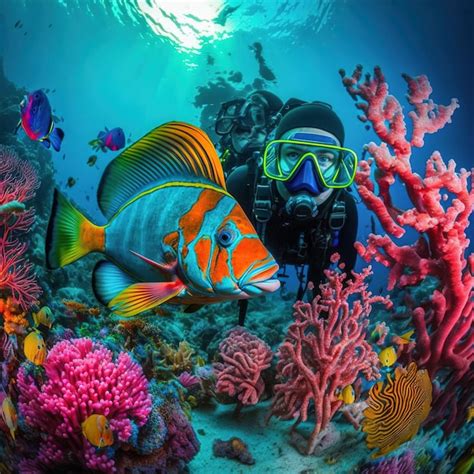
x=397, y=409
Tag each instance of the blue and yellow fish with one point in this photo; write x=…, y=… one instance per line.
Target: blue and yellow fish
x=97, y=431
x=174, y=234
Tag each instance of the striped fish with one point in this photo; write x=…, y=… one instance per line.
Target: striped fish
x=174, y=234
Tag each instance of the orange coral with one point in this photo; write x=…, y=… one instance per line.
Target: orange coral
x=397, y=409
x=80, y=309
x=14, y=320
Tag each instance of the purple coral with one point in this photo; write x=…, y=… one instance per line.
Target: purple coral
x=404, y=464
x=83, y=379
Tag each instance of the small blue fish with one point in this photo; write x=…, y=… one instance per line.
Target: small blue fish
x=112, y=139
x=37, y=120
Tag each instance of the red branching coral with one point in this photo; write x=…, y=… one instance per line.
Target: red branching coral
x=325, y=349
x=83, y=379
x=444, y=335
x=18, y=184
x=244, y=357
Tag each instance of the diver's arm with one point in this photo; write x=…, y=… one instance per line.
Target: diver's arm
x=348, y=235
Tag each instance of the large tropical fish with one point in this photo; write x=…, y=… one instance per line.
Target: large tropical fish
x=173, y=234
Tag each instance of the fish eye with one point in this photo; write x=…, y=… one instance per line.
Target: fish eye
x=226, y=236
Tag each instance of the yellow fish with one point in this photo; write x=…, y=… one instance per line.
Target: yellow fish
x=347, y=394
x=35, y=348
x=9, y=415
x=97, y=431
x=388, y=356
x=44, y=316
x=470, y=413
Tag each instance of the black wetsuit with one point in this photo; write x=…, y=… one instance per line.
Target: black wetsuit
x=310, y=242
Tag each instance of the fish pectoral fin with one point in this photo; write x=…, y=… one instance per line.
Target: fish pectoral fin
x=168, y=268
x=144, y=296
x=108, y=281
x=18, y=125
x=46, y=143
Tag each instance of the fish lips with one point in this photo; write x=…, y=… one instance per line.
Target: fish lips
x=258, y=282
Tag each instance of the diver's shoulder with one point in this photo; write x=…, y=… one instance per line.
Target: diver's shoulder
x=238, y=176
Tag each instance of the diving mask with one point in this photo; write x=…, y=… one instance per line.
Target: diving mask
x=336, y=166
x=245, y=114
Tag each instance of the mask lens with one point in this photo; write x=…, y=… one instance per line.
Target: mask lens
x=335, y=165
x=224, y=125
x=227, y=116
x=343, y=173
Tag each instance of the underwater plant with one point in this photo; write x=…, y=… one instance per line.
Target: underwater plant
x=82, y=379
x=324, y=351
x=18, y=184
x=443, y=323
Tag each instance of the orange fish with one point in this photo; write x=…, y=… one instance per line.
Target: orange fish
x=174, y=234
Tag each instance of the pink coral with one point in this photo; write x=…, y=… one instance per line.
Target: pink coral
x=244, y=357
x=325, y=350
x=83, y=379
x=443, y=325
x=18, y=184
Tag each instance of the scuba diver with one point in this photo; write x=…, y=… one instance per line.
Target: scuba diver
x=297, y=195
x=244, y=126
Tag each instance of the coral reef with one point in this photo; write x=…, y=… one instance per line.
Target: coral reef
x=244, y=358
x=18, y=184
x=82, y=379
x=404, y=464
x=443, y=323
x=14, y=319
x=324, y=350
x=167, y=442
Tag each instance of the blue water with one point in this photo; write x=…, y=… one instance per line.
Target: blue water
x=136, y=64
x=130, y=64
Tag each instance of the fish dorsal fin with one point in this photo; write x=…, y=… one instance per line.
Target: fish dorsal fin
x=173, y=150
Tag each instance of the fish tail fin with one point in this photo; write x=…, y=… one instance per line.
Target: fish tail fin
x=96, y=144
x=70, y=234
x=56, y=138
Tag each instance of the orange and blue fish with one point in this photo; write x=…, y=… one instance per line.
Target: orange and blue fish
x=174, y=233
x=36, y=119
